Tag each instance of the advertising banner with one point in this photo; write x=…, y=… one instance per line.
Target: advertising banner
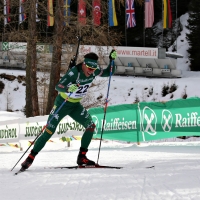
x=149, y=121
x=67, y=127
x=120, y=122
x=170, y=119
x=9, y=133
x=129, y=122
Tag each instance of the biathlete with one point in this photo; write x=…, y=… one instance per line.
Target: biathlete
x=73, y=86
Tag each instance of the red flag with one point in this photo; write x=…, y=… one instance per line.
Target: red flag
x=149, y=13
x=82, y=12
x=170, y=15
x=96, y=4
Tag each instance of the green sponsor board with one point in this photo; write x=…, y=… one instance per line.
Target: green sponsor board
x=120, y=123
x=149, y=121
x=172, y=119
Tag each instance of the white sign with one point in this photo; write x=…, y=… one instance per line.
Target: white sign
x=137, y=52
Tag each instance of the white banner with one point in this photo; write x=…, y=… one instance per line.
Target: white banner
x=137, y=52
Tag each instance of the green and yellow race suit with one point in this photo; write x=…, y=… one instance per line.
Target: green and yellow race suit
x=72, y=106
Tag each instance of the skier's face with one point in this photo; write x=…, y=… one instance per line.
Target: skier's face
x=87, y=70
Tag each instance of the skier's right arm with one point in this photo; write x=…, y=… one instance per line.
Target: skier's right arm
x=68, y=79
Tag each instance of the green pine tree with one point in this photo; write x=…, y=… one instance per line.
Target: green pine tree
x=193, y=36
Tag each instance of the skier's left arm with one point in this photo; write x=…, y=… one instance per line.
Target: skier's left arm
x=106, y=72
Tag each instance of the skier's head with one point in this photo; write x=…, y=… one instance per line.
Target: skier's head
x=90, y=60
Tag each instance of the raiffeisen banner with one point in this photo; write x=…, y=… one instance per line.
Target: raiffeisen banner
x=120, y=122
x=170, y=119
x=148, y=121
x=139, y=52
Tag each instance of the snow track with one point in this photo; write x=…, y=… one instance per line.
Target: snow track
x=175, y=175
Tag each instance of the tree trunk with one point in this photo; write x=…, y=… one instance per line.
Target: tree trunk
x=57, y=52
x=31, y=69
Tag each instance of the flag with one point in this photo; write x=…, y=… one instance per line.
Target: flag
x=130, y=14
x=112, y=14
x=96, y=4
x=22, y=15
x=50, y=19
x=6, y=12
x=149, y=13
x=167, y=18
x=37, y=19
x=82, y=12
x=67, y=11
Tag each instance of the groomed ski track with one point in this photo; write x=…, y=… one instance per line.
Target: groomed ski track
x=175, y=175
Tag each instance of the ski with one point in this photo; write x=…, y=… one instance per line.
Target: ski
x=150, y=167
x=20, y=171
x=84, y=167
x=92, y=167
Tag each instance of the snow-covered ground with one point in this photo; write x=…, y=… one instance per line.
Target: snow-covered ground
x=175, y=175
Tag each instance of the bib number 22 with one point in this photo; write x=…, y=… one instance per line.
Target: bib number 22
x=82, y=89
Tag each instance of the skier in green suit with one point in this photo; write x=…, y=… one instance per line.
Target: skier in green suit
x=73, y=86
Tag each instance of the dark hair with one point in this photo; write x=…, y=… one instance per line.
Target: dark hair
x=92, y=56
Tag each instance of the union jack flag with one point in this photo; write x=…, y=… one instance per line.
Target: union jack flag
x=130, y=14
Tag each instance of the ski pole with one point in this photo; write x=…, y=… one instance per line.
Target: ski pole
x=105, y=108
x=79, y=40
x=74, y=59
x=48, y=122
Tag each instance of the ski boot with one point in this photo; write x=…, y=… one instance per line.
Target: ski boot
x=29, y=160
x=82, y=159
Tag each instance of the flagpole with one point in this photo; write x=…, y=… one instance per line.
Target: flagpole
x=125, y=25
x=144, y=27
x=162, y=20
x=108, y=23
x=176, y=28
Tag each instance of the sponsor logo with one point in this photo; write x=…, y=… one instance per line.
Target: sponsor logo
x=61, y=86
x=8, y=133
x=92, y=63
x=71, y=73
x=148, y=121
x=82, y=113
x=53, y=110
x=33, y=131
x=48, y=131
x=56, y=116
x=167, y=120
x=51, y=126
x=114, y=124
x=64, y=127
x=86, y=80
x=192, y=120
